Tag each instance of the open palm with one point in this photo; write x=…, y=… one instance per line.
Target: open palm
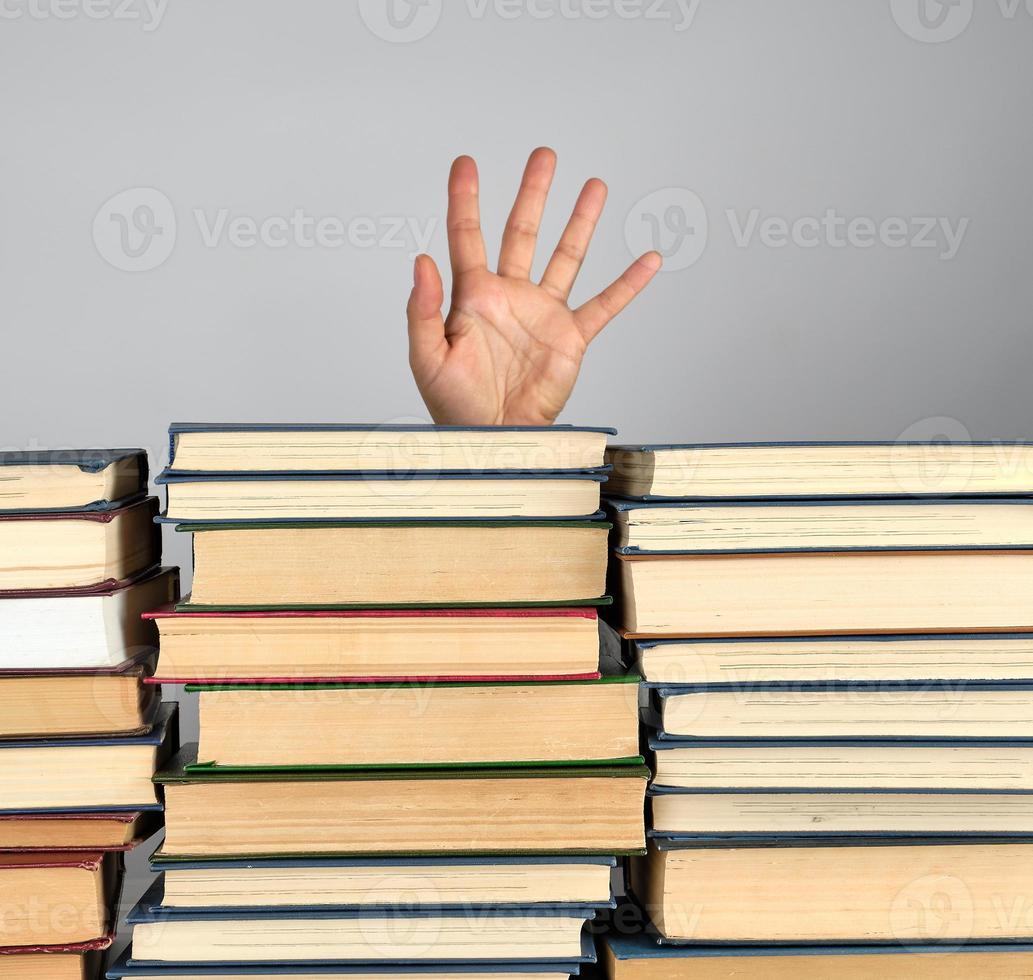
x=510, y=349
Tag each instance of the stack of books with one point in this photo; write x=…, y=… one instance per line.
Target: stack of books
x=80, y=733
x=837, y=640
x=409, y=760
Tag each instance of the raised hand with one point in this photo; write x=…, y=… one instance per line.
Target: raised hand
x=510, y=349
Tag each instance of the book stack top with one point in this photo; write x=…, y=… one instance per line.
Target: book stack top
x=81, y=734
x=394, y=643
x=836, y=642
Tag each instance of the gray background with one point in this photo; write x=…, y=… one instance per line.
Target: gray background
x=262, y=108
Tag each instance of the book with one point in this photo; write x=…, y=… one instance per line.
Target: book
x=551, y=810
x=72, y=774
x=386, y=496
x=450, y=882
x=57, y=898
x=398, y=935
x=123, y=966
x=83, y=631
x=821, y=469
x=962, y=710
x=785, y=764
x=925, y=811
x=84, y=550
x=82, y=831
x=71, y=961
x=749, y=527
x=407, y=564
x=377, y=645
x=796, y=891
x=411, y=725
x=826, y=592
x=893, y=658
x=640, y=957
x=104, y=701
x=71, y=479
x=229, y=448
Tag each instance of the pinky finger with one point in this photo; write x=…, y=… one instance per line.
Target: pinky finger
x=601, y=309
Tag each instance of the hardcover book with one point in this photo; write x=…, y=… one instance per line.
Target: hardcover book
x=446, y=725
x=753, y=527
x=821, y=469
x=695, y=892
x=365, y=935
x=75, y=774
x=83, y=631
x=79, y=831
x=366, y=645
x=641, y=957
x=780, y=593
x=71, y=479
x=441, y=882
x=368, y=496
x=400, y=564
x=104, y=701
x=549, y=810
x=85, y=551
x=333, y=448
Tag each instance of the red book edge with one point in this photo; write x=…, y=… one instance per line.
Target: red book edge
x=120, y=816
x=87, y=860
x=84, y=850
x=415, y=679
x=582, y=612
x=103, y=589
x=102, y=942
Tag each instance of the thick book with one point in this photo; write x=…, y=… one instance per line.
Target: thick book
x=398, y=564
x=922, y=811
x=57, y=898
x=123, y=966
x=404, y=934
x=751, y=527
x=103, y=701
x=74, y=774
x=914, y=712
x=781, y=593
x=840, y=765
x=442, y=882
x=84, y=551
x=70, y=961
x=547, y=810
x=85, y=830
x=412, y=725
x=892, y=659
x=200, y=497
x=83, y=631
x=639, y=956
x=821, y=469
x=332, y=448
x=71, y=479
x=849, y=892
x=377, y=645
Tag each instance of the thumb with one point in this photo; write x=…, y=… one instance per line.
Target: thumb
x=427, y=344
